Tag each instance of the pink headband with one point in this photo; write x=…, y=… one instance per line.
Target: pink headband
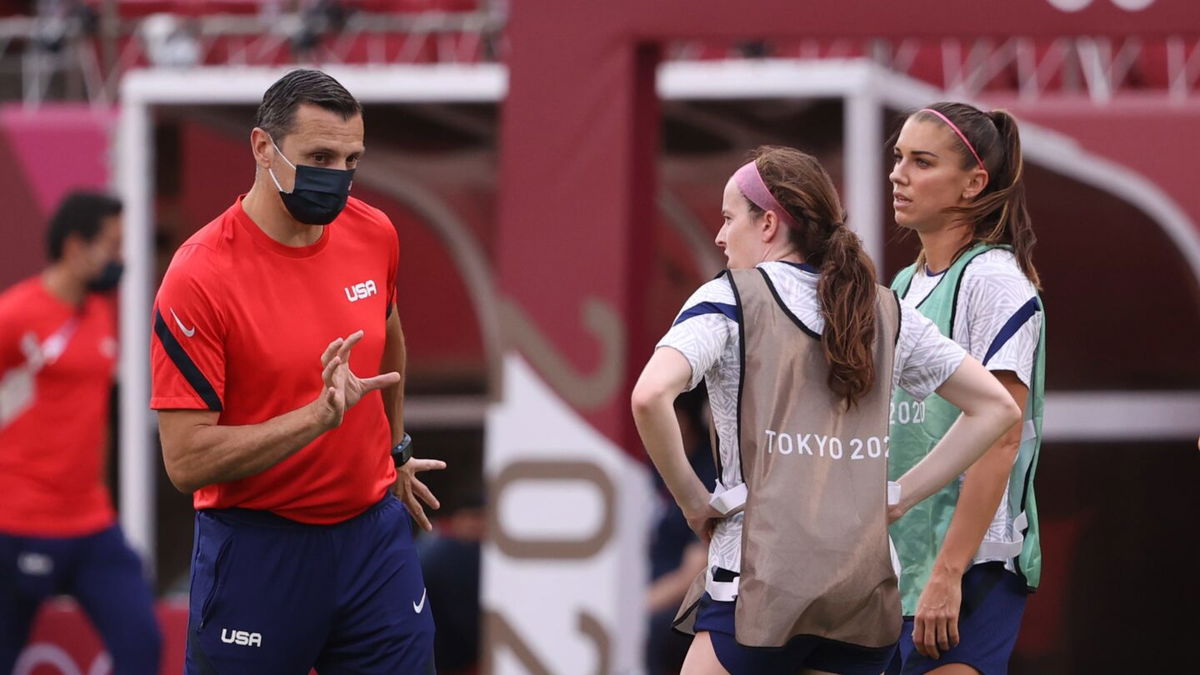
x=750, y=182
x=957, y=131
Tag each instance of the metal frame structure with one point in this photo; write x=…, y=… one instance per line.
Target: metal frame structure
x=94, y=64
x=1098, y=68
x=867, y=88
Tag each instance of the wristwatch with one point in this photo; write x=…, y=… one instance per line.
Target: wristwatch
x=403, y=451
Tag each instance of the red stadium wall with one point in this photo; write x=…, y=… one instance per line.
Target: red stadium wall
x=1158, y=140
x=44, y=154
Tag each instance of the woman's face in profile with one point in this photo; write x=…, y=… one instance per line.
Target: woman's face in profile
x=741, y=234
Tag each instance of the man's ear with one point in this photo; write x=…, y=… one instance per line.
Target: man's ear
x=261, y=147
x=72, y=245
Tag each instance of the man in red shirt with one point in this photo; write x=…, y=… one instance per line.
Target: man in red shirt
x=58, y=532
x=303, y=557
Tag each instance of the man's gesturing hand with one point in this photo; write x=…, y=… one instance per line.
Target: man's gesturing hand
x=412, y=491
x=342, y=388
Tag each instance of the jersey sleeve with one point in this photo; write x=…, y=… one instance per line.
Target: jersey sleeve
x=925, y=358
x=704, y=327
x=187, y=349
x=1003, y=319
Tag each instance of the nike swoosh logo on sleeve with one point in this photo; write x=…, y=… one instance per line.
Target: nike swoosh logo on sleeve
x=417, y=607
x=186, y=331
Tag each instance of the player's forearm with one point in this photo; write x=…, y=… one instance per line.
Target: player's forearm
x=982, y=490
x=983, y=487
x=967, y=439
x=654, y=415
x=204, y=454
x=988, y=410
x=395, y=358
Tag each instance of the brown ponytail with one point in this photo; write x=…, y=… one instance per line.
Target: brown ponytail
x=998, y=213
x=847, y=292
x=847, y=289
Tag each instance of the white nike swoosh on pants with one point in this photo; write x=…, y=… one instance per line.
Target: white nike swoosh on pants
x=417, y=607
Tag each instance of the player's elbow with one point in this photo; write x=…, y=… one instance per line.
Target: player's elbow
x=1010, y=412
x=183, y=473
x=646, y=398
x=185, y=451
x=1002, y=413
x=986, y=400
x=184, y=480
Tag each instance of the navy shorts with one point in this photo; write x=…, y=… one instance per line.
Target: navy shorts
x=270, y=595
x=803, y=651
x=102, y=573
x=993, y=600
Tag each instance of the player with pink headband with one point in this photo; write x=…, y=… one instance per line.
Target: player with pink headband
x=800, y=350
x=971, y=553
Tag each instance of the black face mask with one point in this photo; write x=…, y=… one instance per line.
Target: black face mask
x=107, y=279
x=318, y=195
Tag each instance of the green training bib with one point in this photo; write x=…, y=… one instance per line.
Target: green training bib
x=916, y=426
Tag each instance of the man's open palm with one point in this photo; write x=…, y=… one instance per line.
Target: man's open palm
x=344, y=389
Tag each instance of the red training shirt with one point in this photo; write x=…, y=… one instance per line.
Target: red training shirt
x=240, y=323
x=56, y=374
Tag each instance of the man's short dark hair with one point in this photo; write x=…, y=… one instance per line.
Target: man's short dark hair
x=81, y=214
x=277, y=112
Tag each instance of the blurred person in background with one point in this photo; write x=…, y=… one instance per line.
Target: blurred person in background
x=676, y=554
x=450, y=557
x=800, y=350
x=58, y=530
x=265, y=319
x=972, y=553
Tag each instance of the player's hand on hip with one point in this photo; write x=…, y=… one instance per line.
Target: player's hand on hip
x=703, y=521
x=343, y=389
x=935, y=626
x=412, y=491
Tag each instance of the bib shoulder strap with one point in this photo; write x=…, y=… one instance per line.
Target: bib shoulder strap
x=903, y=279
x=954, y=278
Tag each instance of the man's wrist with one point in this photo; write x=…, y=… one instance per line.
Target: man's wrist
x=402, y=451
x=317, y=418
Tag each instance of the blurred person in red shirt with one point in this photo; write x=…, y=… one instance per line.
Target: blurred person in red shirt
x=58, y=531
